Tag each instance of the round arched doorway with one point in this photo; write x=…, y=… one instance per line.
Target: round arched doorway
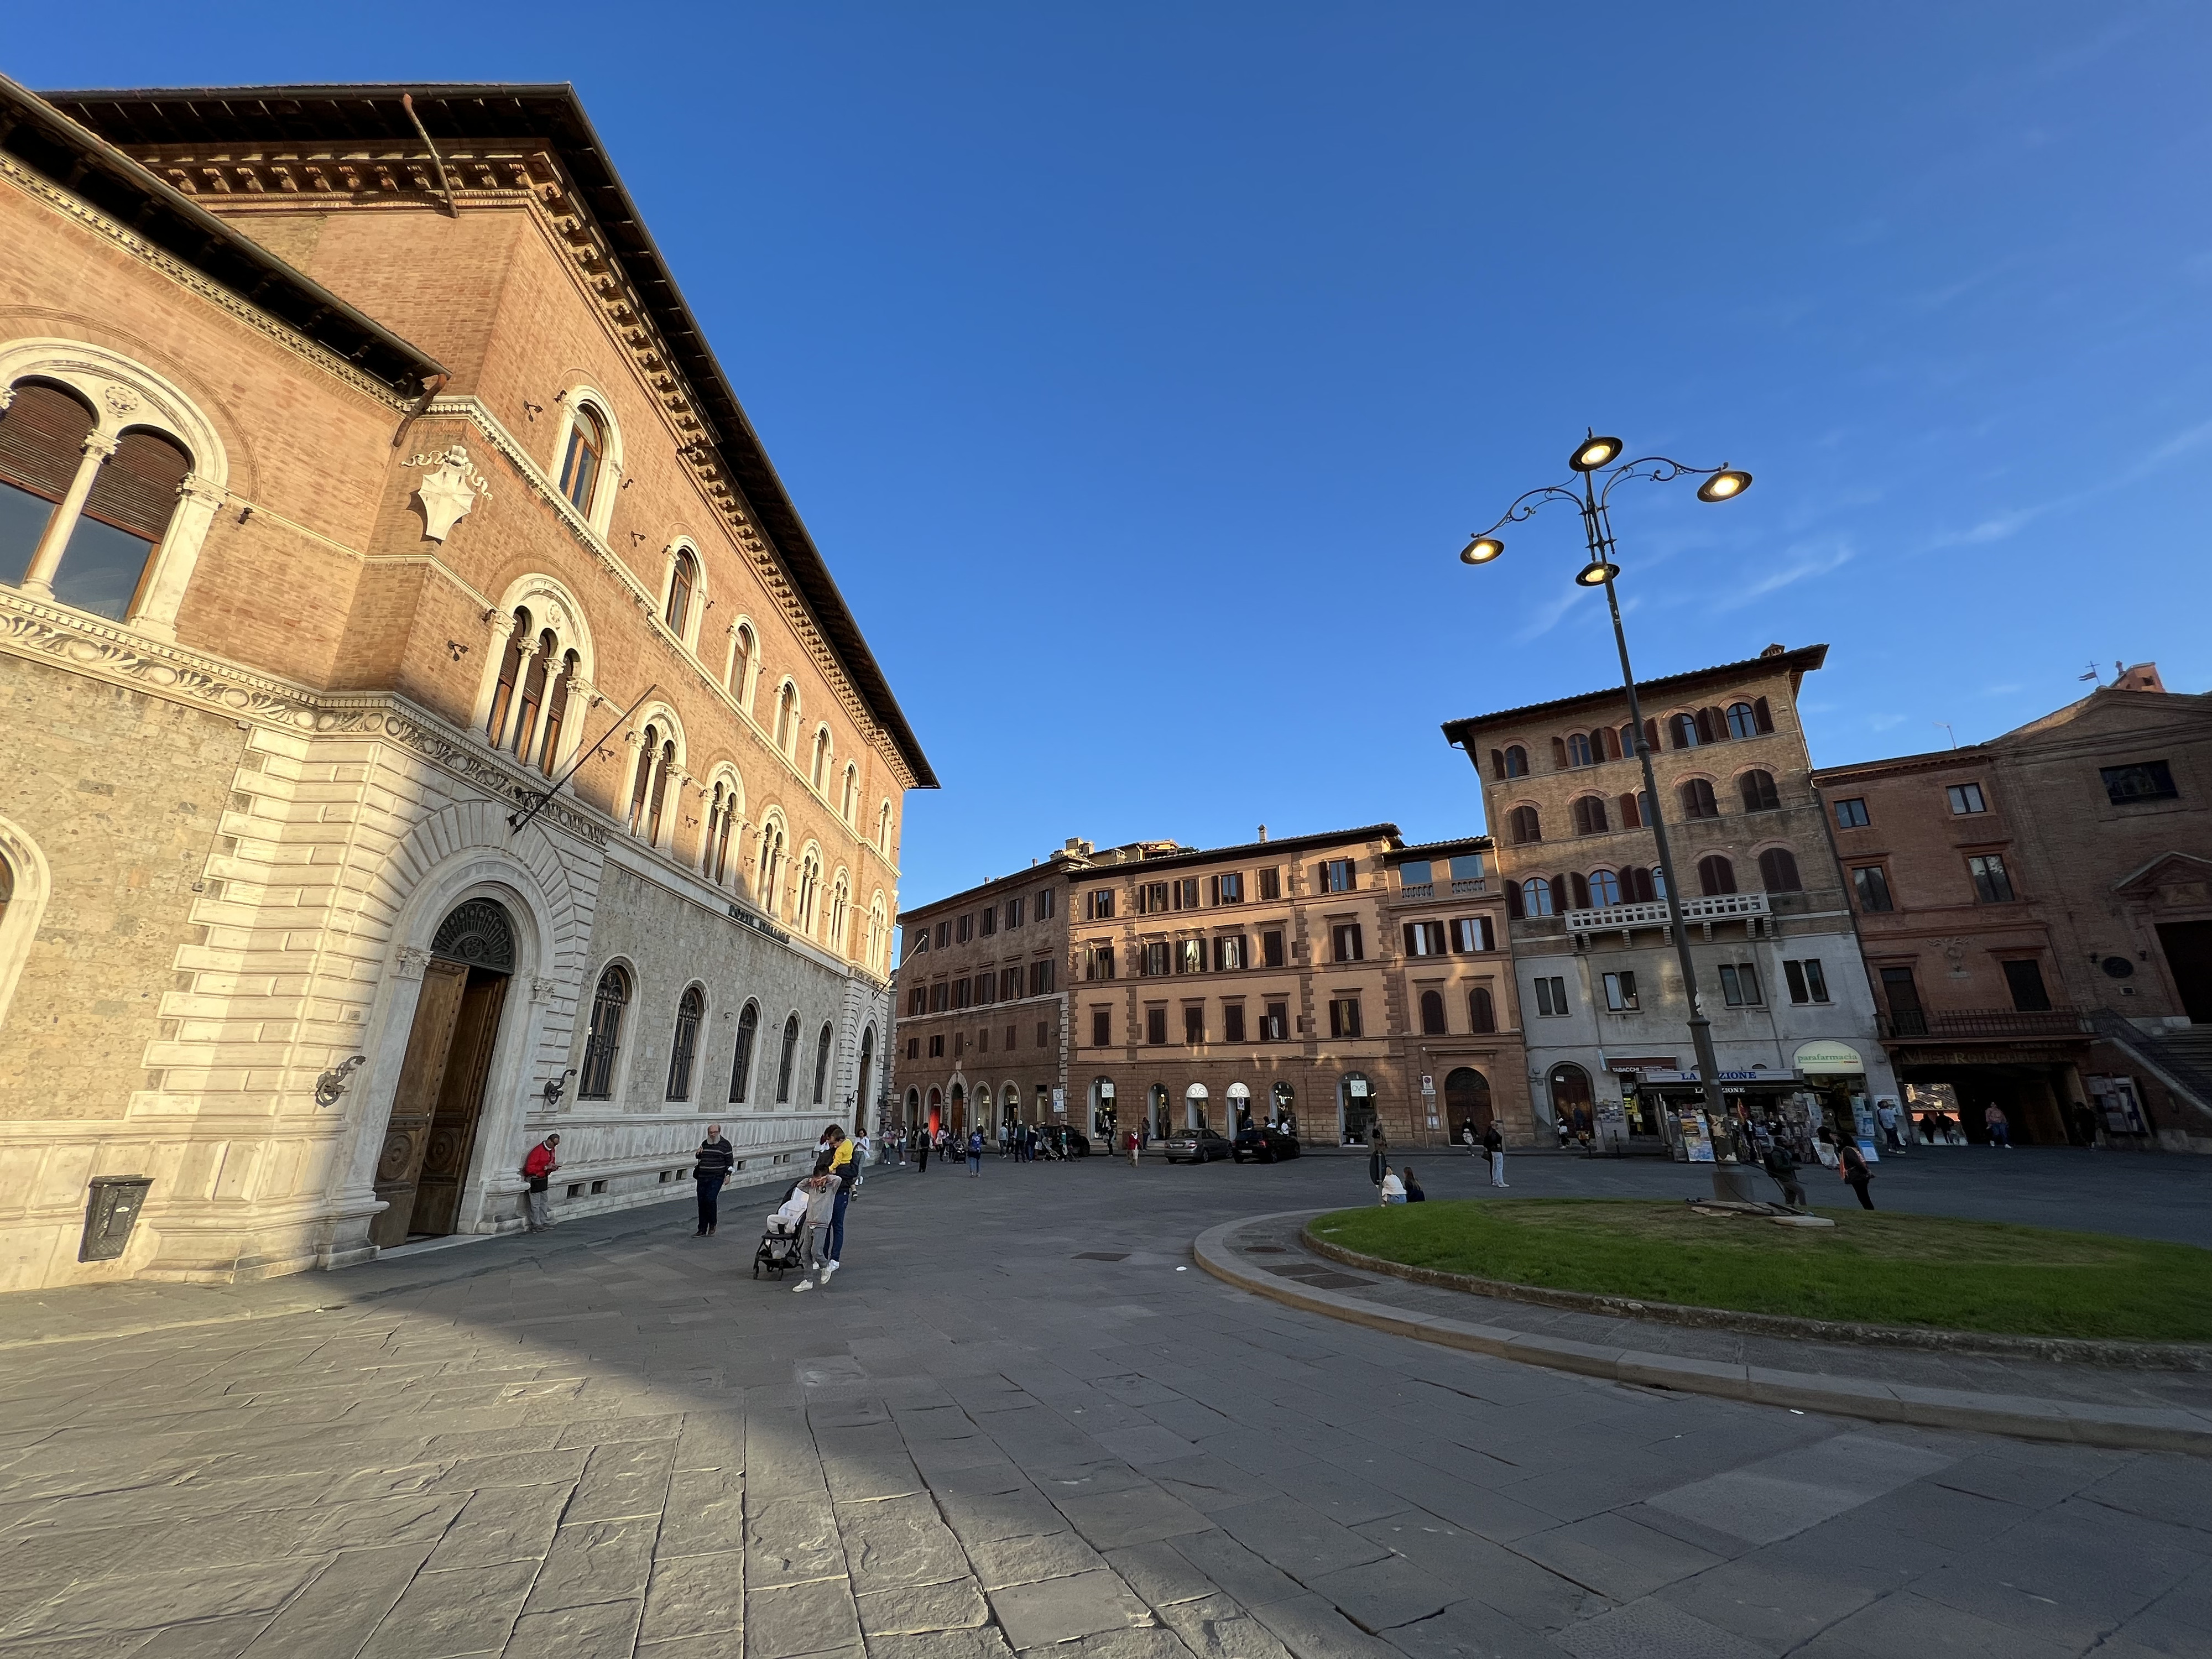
x=1571, y=1098
x=1102, y=1108
x=431, y=1136
x=1157, y=1109
x=959, y=1101
x=1283, y=1101
x=1355, y=1108
x=1467, y=1101
x=913, y=1110
x=1193, y=1106
x=1240, y=1108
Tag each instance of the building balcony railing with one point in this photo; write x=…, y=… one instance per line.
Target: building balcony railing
x=1954, y=1023
x=1619, y=918
x=1423, y=892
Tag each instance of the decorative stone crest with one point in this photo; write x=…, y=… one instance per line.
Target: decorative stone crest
x=448, y=489
x=411, y=963
x=121, y=398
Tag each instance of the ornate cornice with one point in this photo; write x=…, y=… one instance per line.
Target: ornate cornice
x=105, y=652
x=75, y=210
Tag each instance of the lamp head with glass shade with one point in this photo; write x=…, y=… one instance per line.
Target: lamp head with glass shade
x=1597, y=574
x=1481, y=550
x=1724, y=485
x=1594, y=452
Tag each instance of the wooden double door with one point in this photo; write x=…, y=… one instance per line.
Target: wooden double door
x=432, y=1131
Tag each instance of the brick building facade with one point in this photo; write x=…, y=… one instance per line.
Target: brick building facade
x=2037, y=917
x=1305, y=979
x=1777, y=961
x=434, y=724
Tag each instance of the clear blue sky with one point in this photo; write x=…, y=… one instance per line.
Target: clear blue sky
x=1142, y=369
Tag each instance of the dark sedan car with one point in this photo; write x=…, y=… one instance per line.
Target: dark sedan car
x=1195, y=1146
x=1264, y=1145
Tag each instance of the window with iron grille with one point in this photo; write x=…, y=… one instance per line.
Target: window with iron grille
x=689, y=1012
x=600, y=1047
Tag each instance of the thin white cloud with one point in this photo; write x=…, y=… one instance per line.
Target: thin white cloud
x=2000, y=690
x=1883, y=722
x=1549, y=614
x=1999, y=527
x=1802, y=564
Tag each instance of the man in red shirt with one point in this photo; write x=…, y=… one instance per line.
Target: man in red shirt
x=537, y=1169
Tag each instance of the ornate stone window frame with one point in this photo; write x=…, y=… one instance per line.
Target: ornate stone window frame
x=601, y=511
x=126, y=396
x=18, y=926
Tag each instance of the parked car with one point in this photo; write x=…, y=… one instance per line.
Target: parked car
x=1263, y=1144
x=1195, y=1146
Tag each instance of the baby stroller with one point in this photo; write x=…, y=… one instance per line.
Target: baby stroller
x=783, y=1245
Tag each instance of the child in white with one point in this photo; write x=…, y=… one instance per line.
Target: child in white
x=1393, y=1190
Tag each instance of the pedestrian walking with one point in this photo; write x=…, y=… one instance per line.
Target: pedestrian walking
x=821, y=1203
x=537, y=1170
x=1783, y=1166
x=976, y=1153
x=1467, y=1135
x=845, y=1173
x=2085, y=1124
x=1494, y=1144
x=921, y=1153
x=1378, y=1153
x=1886, y=1114
x=1413, y=1193
x=1135, y=1146
x=1852, y=1167
x=2000, y=1126
x=710, y=1167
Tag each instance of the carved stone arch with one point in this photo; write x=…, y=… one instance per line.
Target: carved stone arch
x=742, y=693
x=552, y=604
x=125, y=395
x=700, y=592
x=29, y=884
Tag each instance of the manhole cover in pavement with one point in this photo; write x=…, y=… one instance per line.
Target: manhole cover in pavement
x=1100, y=1256
x=1263, y=1249
x=1327, y=1279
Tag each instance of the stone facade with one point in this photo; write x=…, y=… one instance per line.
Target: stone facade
x=251, y=793
x=1252, y=983
x=1600, y=986
x=2037, y=915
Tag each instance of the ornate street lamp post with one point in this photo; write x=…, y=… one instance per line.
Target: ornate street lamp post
x=1594, y=460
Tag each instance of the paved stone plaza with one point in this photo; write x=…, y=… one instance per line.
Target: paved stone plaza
x=1020, y=1419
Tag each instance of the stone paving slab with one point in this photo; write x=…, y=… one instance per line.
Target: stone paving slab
x=983, y=1441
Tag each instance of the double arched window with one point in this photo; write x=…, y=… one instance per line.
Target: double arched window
x=803, y=910
x=608, y=1003
x=1578, y=750
x=689, y=1012
x=1525, y=824
x=648, y=796
x=879, y=928
x=682, y=580
x=769, y=875
x=1698, y=802
x=840, y=904
x=741, y=1062
x=106, y=488
x=1589, y=815
x=1759, y=792
x=724, y=808
x=1715, y=875
x=787, y=1061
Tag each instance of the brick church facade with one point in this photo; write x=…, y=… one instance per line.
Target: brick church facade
x=432, y=723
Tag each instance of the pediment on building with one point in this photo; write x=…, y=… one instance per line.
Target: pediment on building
x=2172, y=877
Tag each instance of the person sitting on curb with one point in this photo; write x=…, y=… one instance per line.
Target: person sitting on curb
x=1393, y=1190
x=1413, y=1193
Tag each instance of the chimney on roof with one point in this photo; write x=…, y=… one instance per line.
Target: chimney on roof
x=1772, y=651
x=1263, y=832
x=2143, y=677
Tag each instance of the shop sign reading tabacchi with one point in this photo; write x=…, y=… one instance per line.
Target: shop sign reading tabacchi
x=1827, y=1058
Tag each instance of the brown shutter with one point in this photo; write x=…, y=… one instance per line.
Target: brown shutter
x=1630, y=817
x=1651, y=736
x=1559, y=753
x=1762, y=716
x=1497, y=763
x=137, y=489
x=1513, y=901
x=1706, y=725
x=42, y=437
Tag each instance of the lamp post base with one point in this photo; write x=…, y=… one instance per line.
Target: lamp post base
x=1732, y=1184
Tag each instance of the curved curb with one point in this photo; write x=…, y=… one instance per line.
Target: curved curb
x=2059, y=1350
x=2125, y=1427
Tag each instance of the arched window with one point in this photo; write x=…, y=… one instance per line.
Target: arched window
x=106, y=553
x=1742, y=720
x=841, y=902
x=1637, y=887
x=1715, y=875
x=787, y=715
x=1698, y=800
x=1481, y=1011
x=1467, y=1100
x=741, y=665
x=1777, y=871
x=531, y=703
x=1526, y=826
x=876, y=925
x=683, y=577
x=883, y=830
x=510, y=677
x=822, y=1064
x=771, y=865
x=1633, y=815
x=849, y=798
x=557, y=705
x=1604, y=889
x=1433, y=1013
x=1605, y=743
x=741, y=1062
x=641, y=786
x=1578, y=750
x=1516, y=761
x=866, y=1079
x=809, y=886
x=579, y=467
x=819, y=774
x=1589, y=815
x=1759, y=791
x=689, y=1012
x=790, y=1058
x=604, y=1041
x=1536, y=897
x=656, y=759
x=1682, y=730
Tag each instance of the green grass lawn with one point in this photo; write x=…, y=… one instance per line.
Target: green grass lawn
x=1883, y=1269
